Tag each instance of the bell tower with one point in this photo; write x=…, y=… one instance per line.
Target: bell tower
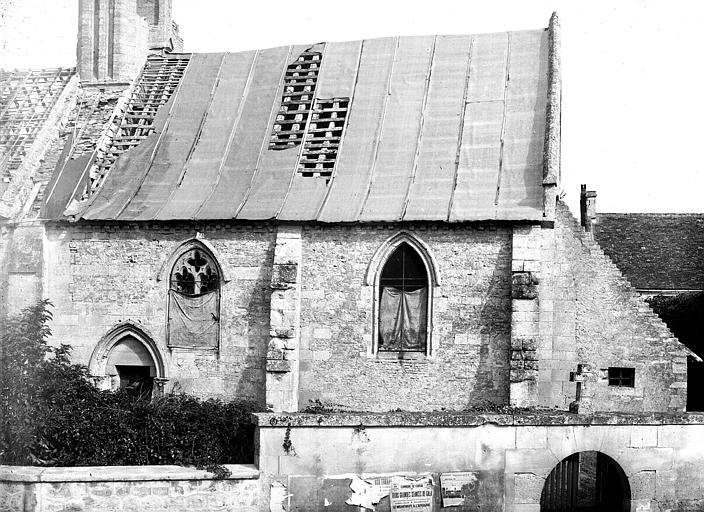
x=115, y=36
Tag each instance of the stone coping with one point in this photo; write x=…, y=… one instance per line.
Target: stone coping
x=470, y=419
x=119, y=473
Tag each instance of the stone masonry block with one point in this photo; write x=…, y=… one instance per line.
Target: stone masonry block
x=527, y=487
x=284, y=276
x=524, y=286
x=282, y=332
x=530, y=364
x=278, y=366
x=275, y=353
x=529, y=343
x=644, y=436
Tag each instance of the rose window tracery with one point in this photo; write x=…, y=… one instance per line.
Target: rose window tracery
x=195, y=274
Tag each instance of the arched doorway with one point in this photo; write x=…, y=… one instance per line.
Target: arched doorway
x=586, y=482
x=127, y=358
x=131, y=367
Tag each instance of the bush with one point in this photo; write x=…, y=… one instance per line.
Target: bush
x=52, y=415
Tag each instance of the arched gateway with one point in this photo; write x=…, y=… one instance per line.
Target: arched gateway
x=586, y=482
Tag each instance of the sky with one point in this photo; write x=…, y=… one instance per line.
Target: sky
x=632, y=106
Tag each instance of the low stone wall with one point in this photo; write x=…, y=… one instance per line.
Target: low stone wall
x=127, y=488
x=504, y=459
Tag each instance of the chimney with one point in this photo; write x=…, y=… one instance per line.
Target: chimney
x=115, y=36
x=587, y=208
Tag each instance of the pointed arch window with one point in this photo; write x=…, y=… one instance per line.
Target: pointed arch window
x=403, y=302
x=194, y=300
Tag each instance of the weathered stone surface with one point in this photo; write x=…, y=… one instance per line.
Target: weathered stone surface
x=597, y=318
x=524, y=285
x=120, y=488
x=470, y=339
x=103, y=273
x=278, y=365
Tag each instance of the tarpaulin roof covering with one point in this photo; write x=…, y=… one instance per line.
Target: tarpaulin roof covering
x=443, y=128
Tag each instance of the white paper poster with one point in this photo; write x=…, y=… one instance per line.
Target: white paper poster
x=411, y=495
x=368, y=492
x=454, y=487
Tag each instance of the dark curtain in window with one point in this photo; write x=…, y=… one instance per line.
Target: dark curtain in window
x=403, y=301
x=403, y=318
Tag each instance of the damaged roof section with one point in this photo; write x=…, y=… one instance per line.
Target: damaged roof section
x=26, y=100
x=108, y=122
x=443, y=128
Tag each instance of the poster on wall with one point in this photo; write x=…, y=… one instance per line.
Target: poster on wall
x=456, y=487
x=411, y=495
x=369, y=491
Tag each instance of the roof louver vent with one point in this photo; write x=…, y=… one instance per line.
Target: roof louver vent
x=323, y=137
x=299, y=87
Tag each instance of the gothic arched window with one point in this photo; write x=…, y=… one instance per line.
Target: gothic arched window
x=194, y=300
x=403, y=302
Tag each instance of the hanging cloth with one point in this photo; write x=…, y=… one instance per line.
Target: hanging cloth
x=403, y=318
x=193, y=320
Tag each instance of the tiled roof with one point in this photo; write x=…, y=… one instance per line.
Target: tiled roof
x=655, y=251
x=448, y=128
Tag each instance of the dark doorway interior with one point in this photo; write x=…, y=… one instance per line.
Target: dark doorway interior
x=695, y=385
x=136, y=380
x=586, y=482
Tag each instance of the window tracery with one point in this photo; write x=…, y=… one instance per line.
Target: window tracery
x=194, y=300
x=195, y=273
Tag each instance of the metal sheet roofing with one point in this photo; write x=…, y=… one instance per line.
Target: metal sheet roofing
x=441, y=128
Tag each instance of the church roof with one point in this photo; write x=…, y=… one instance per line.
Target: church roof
x=26, y=102
x=655, y=251
x=444, y=128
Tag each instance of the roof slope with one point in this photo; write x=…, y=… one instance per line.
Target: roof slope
x=446, y=128
x=655, y=251
x=26, y=101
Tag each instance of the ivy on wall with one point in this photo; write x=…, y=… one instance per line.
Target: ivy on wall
x=50, y=414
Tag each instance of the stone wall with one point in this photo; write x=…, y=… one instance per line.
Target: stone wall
x=471, y=311
x=100, y=275
x=507, y=457
x=127, y=488
x=591, y=316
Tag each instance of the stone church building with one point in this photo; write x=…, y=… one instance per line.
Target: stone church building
x=373, y=225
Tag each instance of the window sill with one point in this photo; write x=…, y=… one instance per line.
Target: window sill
x=400, y=355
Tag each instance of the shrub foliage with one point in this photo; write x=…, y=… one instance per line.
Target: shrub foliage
x=50, y=414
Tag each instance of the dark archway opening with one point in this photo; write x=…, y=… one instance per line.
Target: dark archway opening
x=695, y=385
x=586, y=482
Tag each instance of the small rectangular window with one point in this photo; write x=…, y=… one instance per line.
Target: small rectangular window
x=622, y=377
